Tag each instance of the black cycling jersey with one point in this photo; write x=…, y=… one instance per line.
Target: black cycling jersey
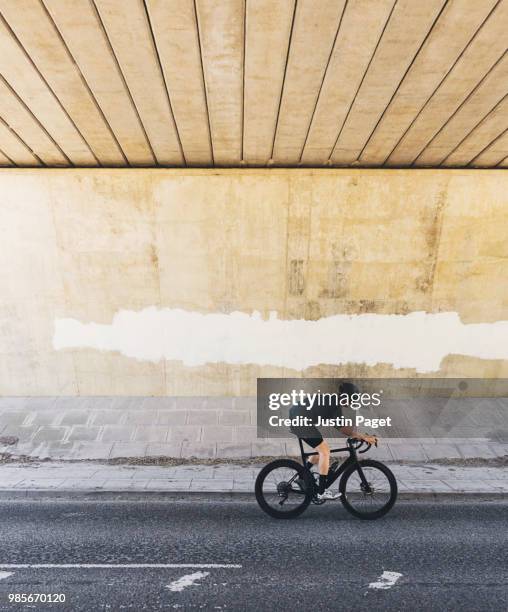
x=330, y=410
x=328, y=407
x=313, y=415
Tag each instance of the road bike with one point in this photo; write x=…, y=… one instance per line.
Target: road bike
x=285, y=488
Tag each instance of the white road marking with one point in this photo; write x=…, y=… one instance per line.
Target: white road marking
x=186, y=581
x=385, y=581
x=117, y=565
x=5, y=575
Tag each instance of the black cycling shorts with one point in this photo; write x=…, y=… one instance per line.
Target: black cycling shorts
x=310, y=434
x=312, y=441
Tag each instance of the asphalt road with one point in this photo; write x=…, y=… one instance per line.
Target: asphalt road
x=450, y=556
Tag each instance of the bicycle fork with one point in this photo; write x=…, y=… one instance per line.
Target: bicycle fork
x=365, y=485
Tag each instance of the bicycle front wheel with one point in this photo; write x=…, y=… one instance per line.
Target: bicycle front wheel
x=373, y=499
x=284, y=489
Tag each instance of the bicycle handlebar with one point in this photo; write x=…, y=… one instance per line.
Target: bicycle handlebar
x=357, y=444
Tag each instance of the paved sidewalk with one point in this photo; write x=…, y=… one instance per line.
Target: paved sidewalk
x=61, y=477
x=102, y=428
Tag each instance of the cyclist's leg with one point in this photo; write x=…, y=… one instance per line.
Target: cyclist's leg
x=313, y=442
x=309, y=434
x=323, y=461
x=313, y=459
x=323, y=464
x=323, y=458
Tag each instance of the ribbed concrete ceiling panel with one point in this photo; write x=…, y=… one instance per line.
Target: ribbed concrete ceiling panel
x=129, y=31
x=360, y=31
x=26, y=83
x=449, y=37
x=494, y=154
x=29, y=132
x=4, y=160
x=409, y=25
x=177, y=42
x=479, y=139
x=377, y=83
x=312, y=41
x=13, y=148
x=267, y=31
x=480, y=103
x=482, y=53
x=81, y=27
x=221, y=32
x=37, y=34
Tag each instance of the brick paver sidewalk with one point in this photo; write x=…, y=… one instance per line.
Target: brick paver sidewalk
x=104, y=428
x=88, y=477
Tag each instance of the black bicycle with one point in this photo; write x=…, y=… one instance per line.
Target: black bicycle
x=286, y=488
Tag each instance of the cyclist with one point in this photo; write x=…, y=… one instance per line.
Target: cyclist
x=311, y=435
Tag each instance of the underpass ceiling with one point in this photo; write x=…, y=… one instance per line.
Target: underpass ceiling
x=239, y=83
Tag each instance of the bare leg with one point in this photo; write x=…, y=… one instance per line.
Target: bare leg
x=324, y=458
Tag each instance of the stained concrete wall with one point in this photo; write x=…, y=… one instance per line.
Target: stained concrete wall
x=296, y=246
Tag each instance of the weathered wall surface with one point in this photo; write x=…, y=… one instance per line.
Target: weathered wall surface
x=186, y=251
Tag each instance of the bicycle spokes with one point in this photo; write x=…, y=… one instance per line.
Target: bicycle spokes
x=371, y=495
x=283, y=487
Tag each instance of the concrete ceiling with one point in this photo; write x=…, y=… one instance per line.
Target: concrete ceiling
x=254, y=82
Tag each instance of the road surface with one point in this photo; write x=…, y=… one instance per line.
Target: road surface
x=422, y=556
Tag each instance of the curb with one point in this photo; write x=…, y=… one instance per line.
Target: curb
x=145, y=496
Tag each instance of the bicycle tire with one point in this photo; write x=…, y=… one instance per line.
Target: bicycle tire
x=306, y=498
x=391, y=480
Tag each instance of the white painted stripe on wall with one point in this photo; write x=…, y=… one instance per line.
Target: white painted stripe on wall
x=417, y=340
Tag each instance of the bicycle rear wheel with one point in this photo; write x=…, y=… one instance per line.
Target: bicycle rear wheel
x=373, y=500
x=284, y=489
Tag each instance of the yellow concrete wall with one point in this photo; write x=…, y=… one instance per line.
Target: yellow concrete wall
x=86, y=244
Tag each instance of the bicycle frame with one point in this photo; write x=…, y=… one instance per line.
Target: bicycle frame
x=352, y=447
